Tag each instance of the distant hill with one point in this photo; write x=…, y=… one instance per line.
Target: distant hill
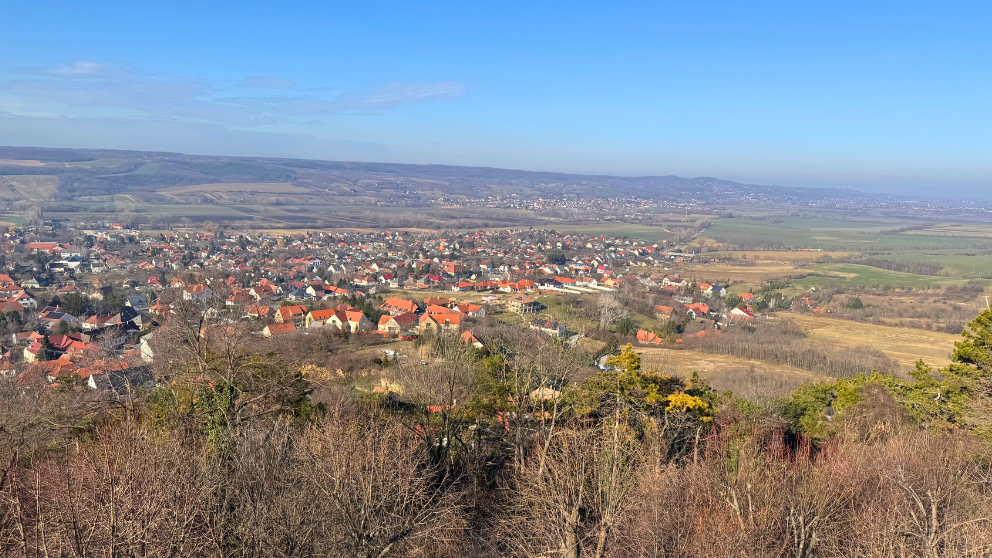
x=155, y=176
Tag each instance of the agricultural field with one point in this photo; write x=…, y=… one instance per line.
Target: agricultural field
x=830, y=234
x=778, y=255
x=973, y=230
x=904, y=345
x=258, y=187
x=22, y=162
x=640, y=232
x=38, y=187
x=750, y=275
x=812, y=233
x=963, y=265
x=854, y=275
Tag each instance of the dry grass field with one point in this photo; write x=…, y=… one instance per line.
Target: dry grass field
x=746, y=378
x=22, y=162
x=685, y=362
x=780, y=255
x=955, y=229
x=253, y=187
x=904, y=345
x=755, y=274
x=751, y=379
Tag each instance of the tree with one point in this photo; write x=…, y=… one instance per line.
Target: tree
x=626, y=326
x=76, y=304
x=412, y=507
x=610, y=310
x=113, y=302
x=64, y=328
x=46, y=352
x=557, y=257
x=972, y=356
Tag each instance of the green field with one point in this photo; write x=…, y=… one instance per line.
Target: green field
x=840, y=275
x=974, y=266
x=834, y=234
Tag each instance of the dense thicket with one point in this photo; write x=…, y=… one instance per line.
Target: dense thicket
x=519, y=448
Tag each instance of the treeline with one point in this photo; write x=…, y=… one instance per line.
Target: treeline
x=44, y=154
x=904, y=266
x=746, y=244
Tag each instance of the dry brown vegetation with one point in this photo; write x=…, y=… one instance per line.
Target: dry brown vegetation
x=31, y=186
x=782, y=342
x=903, y=345
x=270, y=448
x=749, y=379
x=360, y=483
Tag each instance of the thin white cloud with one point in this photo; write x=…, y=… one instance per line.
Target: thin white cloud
x=267, y=82
x=134, y=93
x=187, y=137
x=401, y=93
x=79, y=68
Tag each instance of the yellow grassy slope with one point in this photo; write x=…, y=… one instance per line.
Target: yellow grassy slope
x=904, y=345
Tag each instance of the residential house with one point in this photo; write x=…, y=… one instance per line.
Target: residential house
x=138, y=302
x=472, y=310
x=436, y=301
x=550, y=327
x=663, y=312
x=470, y=338
x=397, y=306
x=52, y=315
x=648, y=337
x=741, y=313
x=522, y=304
x=347, y=318
x=197, y=293
x=278, y=329
x=698, y=310
x=439, y=323
x=318, y=318
x=716, y=290
x=398, y=324
x=291, y=314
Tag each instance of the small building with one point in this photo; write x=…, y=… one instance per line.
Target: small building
x=522, y=304
x=550, y=327
x=469, y=338
x=279, y=329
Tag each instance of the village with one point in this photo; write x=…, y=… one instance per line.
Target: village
x=80, y=306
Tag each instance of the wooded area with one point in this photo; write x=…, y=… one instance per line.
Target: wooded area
x=491, y=452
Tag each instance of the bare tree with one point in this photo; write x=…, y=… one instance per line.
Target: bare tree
x=610, y=310
x=383, y=494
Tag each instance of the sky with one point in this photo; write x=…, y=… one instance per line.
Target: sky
x=879, y=96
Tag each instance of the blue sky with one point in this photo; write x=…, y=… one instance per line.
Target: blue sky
x=870, y=95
